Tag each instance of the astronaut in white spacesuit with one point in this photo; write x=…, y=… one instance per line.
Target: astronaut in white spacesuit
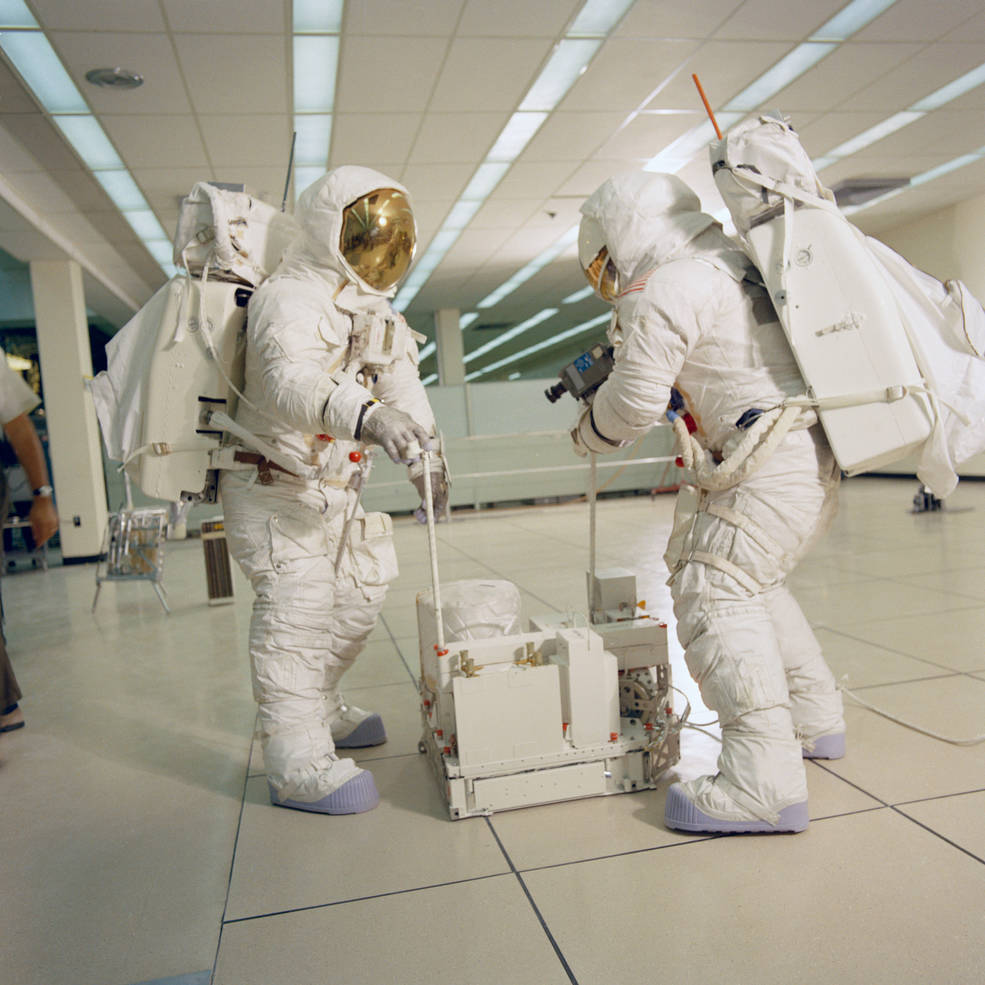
x=331, y=367
x=690, y=315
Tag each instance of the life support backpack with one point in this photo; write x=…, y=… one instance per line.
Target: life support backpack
x=892, y=357
x=166, y=401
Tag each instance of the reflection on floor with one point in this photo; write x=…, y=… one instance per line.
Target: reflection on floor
x=138, y=843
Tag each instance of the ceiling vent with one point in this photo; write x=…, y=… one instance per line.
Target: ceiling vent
x=858, y=191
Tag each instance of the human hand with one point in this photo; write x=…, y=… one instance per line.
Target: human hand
x=43, y=518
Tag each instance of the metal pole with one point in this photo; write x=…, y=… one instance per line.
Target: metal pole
x=433, y=550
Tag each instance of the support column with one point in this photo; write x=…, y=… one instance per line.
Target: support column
x=448, y=338
x=73, y=431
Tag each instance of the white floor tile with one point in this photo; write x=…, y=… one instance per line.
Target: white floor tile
x=831, y=905
x=482, y=933
x=287, y=859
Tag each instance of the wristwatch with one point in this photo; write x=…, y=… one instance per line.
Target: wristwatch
x=43, y=491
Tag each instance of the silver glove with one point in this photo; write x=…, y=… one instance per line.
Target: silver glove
x=397, y=433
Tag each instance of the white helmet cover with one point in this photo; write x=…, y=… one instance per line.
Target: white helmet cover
x=645, y=219
x=319, y=212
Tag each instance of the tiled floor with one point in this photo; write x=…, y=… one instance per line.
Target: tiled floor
x=137, y=843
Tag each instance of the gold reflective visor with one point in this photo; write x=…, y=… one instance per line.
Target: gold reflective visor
x=378, y=237
x=602, y=275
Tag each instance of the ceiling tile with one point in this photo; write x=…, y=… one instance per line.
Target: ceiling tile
x=624, y=73
x=402, y=86
x=216, y=73
x=969, y=30
x=945, y=132
x=571, y=136
x=648, y=134
x=826, y=132
x=267, y=184
x=840, y=76
x=924, y=73
x=457, y=137
x=533, y=180
x=492, y=73
x=918, y=20
x=13, y=156
x=228, y=16
x=156, y=141
x=149, y=55
x=99, y=15
x=256, y=140
x=518, y=18
x=591, y=174
x=403, y=18
x=673, y=19
x=764, y=20
x=373, y=135
x=504, y=213
x=436, y=182
x=724, y=68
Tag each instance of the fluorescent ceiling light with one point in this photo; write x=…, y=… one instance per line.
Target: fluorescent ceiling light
x=791, y=67
x=317, y=16
x=967, y=82
x=524, y=326
x=426, y=351
x=485, y=179
x=515, y=136
x=39, y=66
x=467, y=319
x=595, y=18
x=851, y=19
x=514, y=376
x=162, y=250
x=314, y=135
x=90, y=141
x=315, y=59
x=305, y=176
x=145, y=224
x=598, y=17
x=570, y=59
x=948, y=167
x=820, y=163
x=14, y=13
x=538, y=263
x=676, y=155
x=428, y=380
x=895, y=122
x=585, y=292
x=461, y=214
x=539, y=346
x=122, y=189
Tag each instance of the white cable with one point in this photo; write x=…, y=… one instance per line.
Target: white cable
x=974, y=741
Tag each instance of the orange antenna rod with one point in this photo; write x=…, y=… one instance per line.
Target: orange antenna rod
x=704, y=99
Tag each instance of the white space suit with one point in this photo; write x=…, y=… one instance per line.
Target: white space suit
x=330, y=366
x=687, y=317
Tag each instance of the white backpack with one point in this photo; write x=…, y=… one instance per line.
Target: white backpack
x=891, y=356
x=166, y=401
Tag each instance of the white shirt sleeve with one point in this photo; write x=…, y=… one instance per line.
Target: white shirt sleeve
x=16, y=397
